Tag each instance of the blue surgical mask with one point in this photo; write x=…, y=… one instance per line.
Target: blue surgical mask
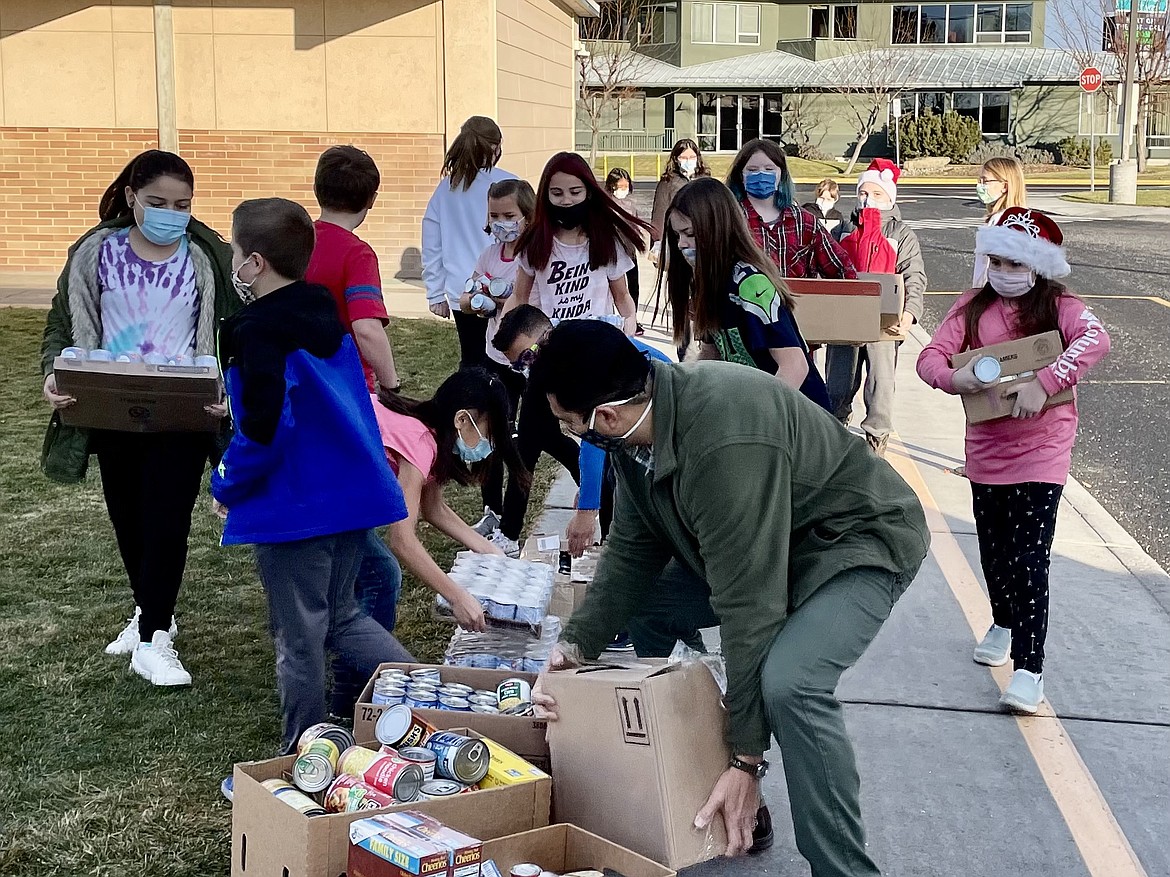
x=688, y=166
x=481, y=451
x=689, y=254
x=760, y=184
x=505, y=232
x=162, y=226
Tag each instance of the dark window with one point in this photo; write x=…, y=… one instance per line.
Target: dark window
x=845, y=22
x=707, y=123
x=932, y=102
x=905, y=27
x=961, y=27
x=820, y=23
x=933, y=24
x=967, y=104
x=668, y=112
x=773, y=127
x=996, y=112
x=658, y=24
x=990, y=23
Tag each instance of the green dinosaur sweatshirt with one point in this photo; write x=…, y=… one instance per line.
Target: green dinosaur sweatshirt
x=761, y=493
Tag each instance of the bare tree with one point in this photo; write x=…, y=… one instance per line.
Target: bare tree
x=612, y=58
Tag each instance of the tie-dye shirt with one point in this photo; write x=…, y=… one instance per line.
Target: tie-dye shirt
x=147, y=307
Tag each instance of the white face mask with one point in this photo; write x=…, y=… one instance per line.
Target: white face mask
x=1011, y=284
x=826, y=204
x=621, y=194
x=688, y=165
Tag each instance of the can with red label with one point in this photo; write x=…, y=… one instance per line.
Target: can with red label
x=387, y=773
x=349, y=794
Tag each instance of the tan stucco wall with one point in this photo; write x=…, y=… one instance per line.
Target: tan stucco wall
x=534, y=55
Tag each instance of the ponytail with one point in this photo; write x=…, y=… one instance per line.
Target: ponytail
x=472, y=151
x=142, y=170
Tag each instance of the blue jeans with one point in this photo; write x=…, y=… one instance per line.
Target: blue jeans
x=376, y=590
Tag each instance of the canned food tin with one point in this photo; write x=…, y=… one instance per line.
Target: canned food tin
x=513, y=692
x=499, y=287
x=454, y=704
x=393, y=674
x=483, y=692
x=459, y=758
x=520, y=709
x=313, y=771
x=155, y=359
x=100, y=355
x=422, y=756
x=349, y=795
x=438, y=789
x=987, y=369
x=289, y=794
x=340, y=737
x=484, y=700
x=457, y=689
x=386, y=773
x=423, y=700
x=426, y=674
x=129, y=357
x=485, y=709
x=388, y=695
x=398, y=726
x=526, y=869
x=78, y=353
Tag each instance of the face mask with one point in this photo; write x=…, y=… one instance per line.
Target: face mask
x=504, y=231
x=688, y=165
x=760, y=184
x=826, y=204
x=1011, y=284
x=688, y=253
x=481, y=451
x=866, y=202
x=982, y=193
x=621, y=194
x=243, y=289
x=161, y=226
x=612, y=442
x=570, y=217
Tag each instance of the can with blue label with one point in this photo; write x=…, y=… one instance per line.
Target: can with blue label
x=459, y=758
x=422, y=699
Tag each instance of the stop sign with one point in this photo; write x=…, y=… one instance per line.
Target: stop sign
x=1091, y=79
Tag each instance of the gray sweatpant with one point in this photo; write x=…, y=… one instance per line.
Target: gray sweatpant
x=311, y=608
x=843, y=367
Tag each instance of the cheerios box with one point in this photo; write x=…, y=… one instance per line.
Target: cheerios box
x=524, y=735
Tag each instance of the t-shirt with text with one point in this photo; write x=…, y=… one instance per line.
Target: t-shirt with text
x=567, y=289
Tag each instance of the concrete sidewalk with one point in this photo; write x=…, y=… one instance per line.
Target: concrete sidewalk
x=950, y=784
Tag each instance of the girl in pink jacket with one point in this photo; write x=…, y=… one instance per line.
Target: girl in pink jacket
x=1018, y=465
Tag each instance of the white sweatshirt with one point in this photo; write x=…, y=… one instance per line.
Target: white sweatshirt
x=982, y=263
x=453, y=235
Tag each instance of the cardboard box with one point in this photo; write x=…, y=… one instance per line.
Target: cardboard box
x=506, y=768
x=271, y=839
x=838, y=311
x=408, y=843
x=562, y=848
x=893, y=302
x=524, y=735
x=1019, y=361
x=567, y=598
x=636, y=752
x=137, y=397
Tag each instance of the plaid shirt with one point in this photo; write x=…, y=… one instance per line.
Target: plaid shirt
x=799, y=244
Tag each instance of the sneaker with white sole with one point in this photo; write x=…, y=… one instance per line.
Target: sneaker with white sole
x=510, y=547
x=490, y=521
x=127, y=641
x=158, y=662
x=995, y=647
x=1025, y=692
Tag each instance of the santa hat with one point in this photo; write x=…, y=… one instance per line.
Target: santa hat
x=885, y=173
x=1028, y=237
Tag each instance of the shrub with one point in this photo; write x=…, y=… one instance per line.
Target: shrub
x=1025, y=155
x=950, y=135
x=1074, y=151
x=807, y=150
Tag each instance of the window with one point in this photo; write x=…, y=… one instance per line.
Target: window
x=991, y=109
x=961, y=23
x=631, y=113
x=821, y=28
x=658, y=24
x=833, y=22
x=920, y=103
x=1098, y=113
x=773, y=121
x=725, y=24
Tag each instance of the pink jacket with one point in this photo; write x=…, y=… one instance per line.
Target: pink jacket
x=1010, y=451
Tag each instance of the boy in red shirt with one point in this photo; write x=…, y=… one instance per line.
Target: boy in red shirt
x=346, y=184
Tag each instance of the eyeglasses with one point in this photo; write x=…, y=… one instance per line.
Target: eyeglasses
x=986, y=180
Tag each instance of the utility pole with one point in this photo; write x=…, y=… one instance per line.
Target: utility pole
x=1123, y=174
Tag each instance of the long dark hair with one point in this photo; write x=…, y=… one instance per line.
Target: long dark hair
x=142, y=170
x=722, y=239
x=472, y=151
x=785, y=188
x=673, y=167
x=470, y=389
x=607, y=225
x=1036, y=311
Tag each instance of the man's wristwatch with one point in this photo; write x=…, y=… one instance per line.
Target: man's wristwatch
x=759, y=771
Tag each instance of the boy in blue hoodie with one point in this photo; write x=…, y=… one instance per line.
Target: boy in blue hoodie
x=305, y=477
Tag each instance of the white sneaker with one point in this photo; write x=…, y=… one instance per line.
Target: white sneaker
x=127, y=641
x=510, y=547
x=490, y=521
x=158, y=661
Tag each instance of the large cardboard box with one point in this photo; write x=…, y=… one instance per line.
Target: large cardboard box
x=524, y=735
x=563, y=848
x=838, y=311
x=636, y=752
x=271, y=839
x=1019, y=361
x=137, y=397
x=893, y=301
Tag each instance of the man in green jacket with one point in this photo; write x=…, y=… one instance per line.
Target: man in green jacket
x=798, y=539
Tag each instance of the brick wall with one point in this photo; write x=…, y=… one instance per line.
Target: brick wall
x=51, y=180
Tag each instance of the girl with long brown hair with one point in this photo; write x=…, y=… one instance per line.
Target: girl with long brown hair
x=720, y=280
x=684, y=164
x=453, y=232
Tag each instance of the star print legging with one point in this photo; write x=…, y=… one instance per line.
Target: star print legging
x=1016, y=523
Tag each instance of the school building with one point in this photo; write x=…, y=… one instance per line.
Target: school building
x=726, y=72
x=251, y=91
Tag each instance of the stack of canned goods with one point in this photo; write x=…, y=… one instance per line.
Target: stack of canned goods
x=99, y=354
x=509, y=590
x=501, y=649
x=425, y=689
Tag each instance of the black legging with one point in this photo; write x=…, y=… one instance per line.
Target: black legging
x=538, y=431
x=492, y=491
x=1016, y=523
x=472, y=332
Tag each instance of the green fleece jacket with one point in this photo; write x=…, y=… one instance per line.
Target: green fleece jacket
x=761, y=493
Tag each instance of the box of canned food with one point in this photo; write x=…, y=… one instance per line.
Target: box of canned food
x=448, y=697
x=563, y=849
x=279, y=830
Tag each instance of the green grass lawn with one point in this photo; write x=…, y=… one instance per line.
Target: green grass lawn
x=101, y=773
x=1145, y=198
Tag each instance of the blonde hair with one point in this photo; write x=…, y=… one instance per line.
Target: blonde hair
x=828, y=187
x=1010, y=172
